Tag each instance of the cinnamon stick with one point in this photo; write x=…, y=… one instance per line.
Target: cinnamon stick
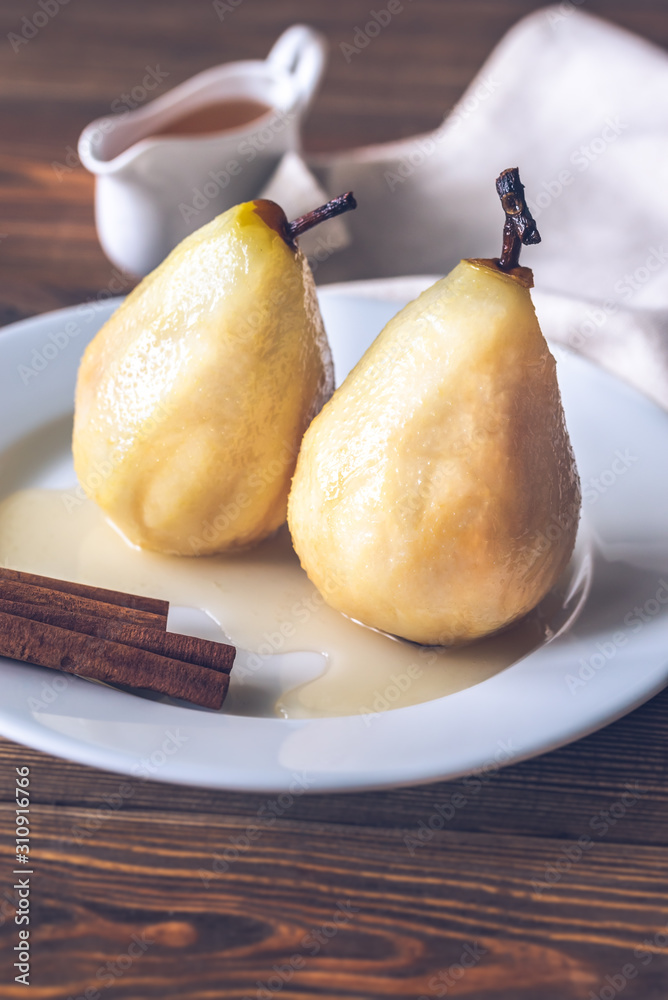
x=214, y=655
x=112, y=662
x=26, y=593
x=136, y=601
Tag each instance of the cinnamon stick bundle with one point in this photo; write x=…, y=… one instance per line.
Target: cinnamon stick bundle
x=215, y=655
x=148, y=604
x=27, y=593
x=111, y=662
x=108, y=636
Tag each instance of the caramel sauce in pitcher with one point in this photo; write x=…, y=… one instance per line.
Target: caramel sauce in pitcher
x=215, y=117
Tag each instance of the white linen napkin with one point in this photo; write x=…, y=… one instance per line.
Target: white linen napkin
x=580, y=106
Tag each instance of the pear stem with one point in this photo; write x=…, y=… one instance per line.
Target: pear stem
x=344, y=203
x=520, y=226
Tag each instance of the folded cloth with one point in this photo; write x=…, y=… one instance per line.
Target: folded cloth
x=576, y=103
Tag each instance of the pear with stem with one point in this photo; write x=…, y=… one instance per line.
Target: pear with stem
x=192, y=399
x=436, y=496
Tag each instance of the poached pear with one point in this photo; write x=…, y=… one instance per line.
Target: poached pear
x=192, y=399
x=436, y=496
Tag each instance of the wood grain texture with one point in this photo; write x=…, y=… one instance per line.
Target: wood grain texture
x=119, y=857
x=365, y=918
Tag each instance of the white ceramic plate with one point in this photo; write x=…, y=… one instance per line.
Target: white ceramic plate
x=611, y=659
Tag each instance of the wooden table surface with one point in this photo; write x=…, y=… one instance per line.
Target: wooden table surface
x=338, y=897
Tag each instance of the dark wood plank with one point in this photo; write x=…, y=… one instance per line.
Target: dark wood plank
x=395, y=922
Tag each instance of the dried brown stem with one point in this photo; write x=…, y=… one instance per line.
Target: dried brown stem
x=344, y=203
x=520, y=226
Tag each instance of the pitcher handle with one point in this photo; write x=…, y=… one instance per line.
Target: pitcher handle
x=300, y=51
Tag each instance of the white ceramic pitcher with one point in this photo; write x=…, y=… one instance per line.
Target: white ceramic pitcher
x=153, y=190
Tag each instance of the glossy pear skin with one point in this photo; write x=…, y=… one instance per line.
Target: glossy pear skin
x=436, y=496
x=192, y=400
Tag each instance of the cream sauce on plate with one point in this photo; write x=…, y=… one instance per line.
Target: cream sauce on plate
x=265, y=605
